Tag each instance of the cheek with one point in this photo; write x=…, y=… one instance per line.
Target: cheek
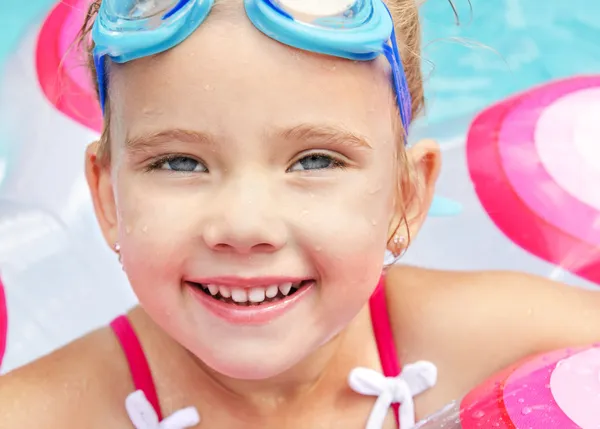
x=156, y=229
x=154, y=214
x=348, y=227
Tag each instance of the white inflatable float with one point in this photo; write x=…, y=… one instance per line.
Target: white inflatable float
x=523, y=172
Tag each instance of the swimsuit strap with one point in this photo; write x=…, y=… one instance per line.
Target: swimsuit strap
x=382, y=328
x=138, y=364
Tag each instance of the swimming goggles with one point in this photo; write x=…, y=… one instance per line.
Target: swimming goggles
x=360, y=30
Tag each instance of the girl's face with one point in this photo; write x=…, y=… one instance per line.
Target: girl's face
x=240, y=162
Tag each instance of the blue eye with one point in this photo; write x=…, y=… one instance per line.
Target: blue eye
x=180, y=164
x=317, y=161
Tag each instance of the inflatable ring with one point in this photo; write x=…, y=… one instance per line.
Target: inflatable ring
x=533, y=160
x=61, y=66
x=560, y=389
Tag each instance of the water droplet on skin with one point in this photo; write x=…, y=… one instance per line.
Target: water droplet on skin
x=303, y=212
x=207, y=87
x=520, y=400
x=374, y=222
x=127, y=230
x=526, y=410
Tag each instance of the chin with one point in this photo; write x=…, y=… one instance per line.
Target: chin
x=259, y=364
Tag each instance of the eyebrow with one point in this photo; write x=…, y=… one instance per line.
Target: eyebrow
x=146, y=142
x=335, y=135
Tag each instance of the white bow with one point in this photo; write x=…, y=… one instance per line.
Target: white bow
x=143, y=415
x=414, y=379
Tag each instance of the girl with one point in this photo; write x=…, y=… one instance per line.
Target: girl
x=251, y=175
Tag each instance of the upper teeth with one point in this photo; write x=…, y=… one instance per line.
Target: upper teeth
x=255, y=294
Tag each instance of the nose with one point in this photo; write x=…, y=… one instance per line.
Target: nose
x=245, y=219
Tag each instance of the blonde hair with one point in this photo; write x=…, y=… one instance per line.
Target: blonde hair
x=405, y=14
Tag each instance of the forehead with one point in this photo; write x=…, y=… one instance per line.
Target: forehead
x=229, y=71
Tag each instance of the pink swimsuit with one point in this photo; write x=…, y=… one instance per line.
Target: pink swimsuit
x=142, y=376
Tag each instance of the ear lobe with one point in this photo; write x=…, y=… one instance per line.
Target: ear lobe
x=99, y=182
x=417, y=188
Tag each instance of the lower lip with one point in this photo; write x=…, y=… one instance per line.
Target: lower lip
x=252, y=314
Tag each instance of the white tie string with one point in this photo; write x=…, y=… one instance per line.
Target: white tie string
x=414, y=379
x=143, y=415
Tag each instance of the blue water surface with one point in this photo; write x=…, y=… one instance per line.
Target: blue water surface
x=501, y=48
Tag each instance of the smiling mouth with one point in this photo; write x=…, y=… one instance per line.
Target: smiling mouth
x=254, y=296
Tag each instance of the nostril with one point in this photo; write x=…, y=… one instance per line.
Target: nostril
x=264, y=248
x=244, y=236
x=256, y=248
x=222, y=247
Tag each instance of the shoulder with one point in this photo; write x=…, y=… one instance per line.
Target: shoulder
x=487, y=320
x=79, y=385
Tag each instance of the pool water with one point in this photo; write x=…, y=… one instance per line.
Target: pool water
x=503, y=47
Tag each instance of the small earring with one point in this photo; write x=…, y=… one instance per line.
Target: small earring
x=117, y=249
x=399, y=245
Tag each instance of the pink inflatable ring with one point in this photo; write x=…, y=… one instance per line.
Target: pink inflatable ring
x=556, y=390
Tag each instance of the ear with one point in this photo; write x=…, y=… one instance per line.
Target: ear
x=417, y=189
x=99, y=180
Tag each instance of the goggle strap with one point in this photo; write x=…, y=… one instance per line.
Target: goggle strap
x=402, y=92
x=279, y=10
x=180, y=4
x=399, y=83
x=100, y=64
